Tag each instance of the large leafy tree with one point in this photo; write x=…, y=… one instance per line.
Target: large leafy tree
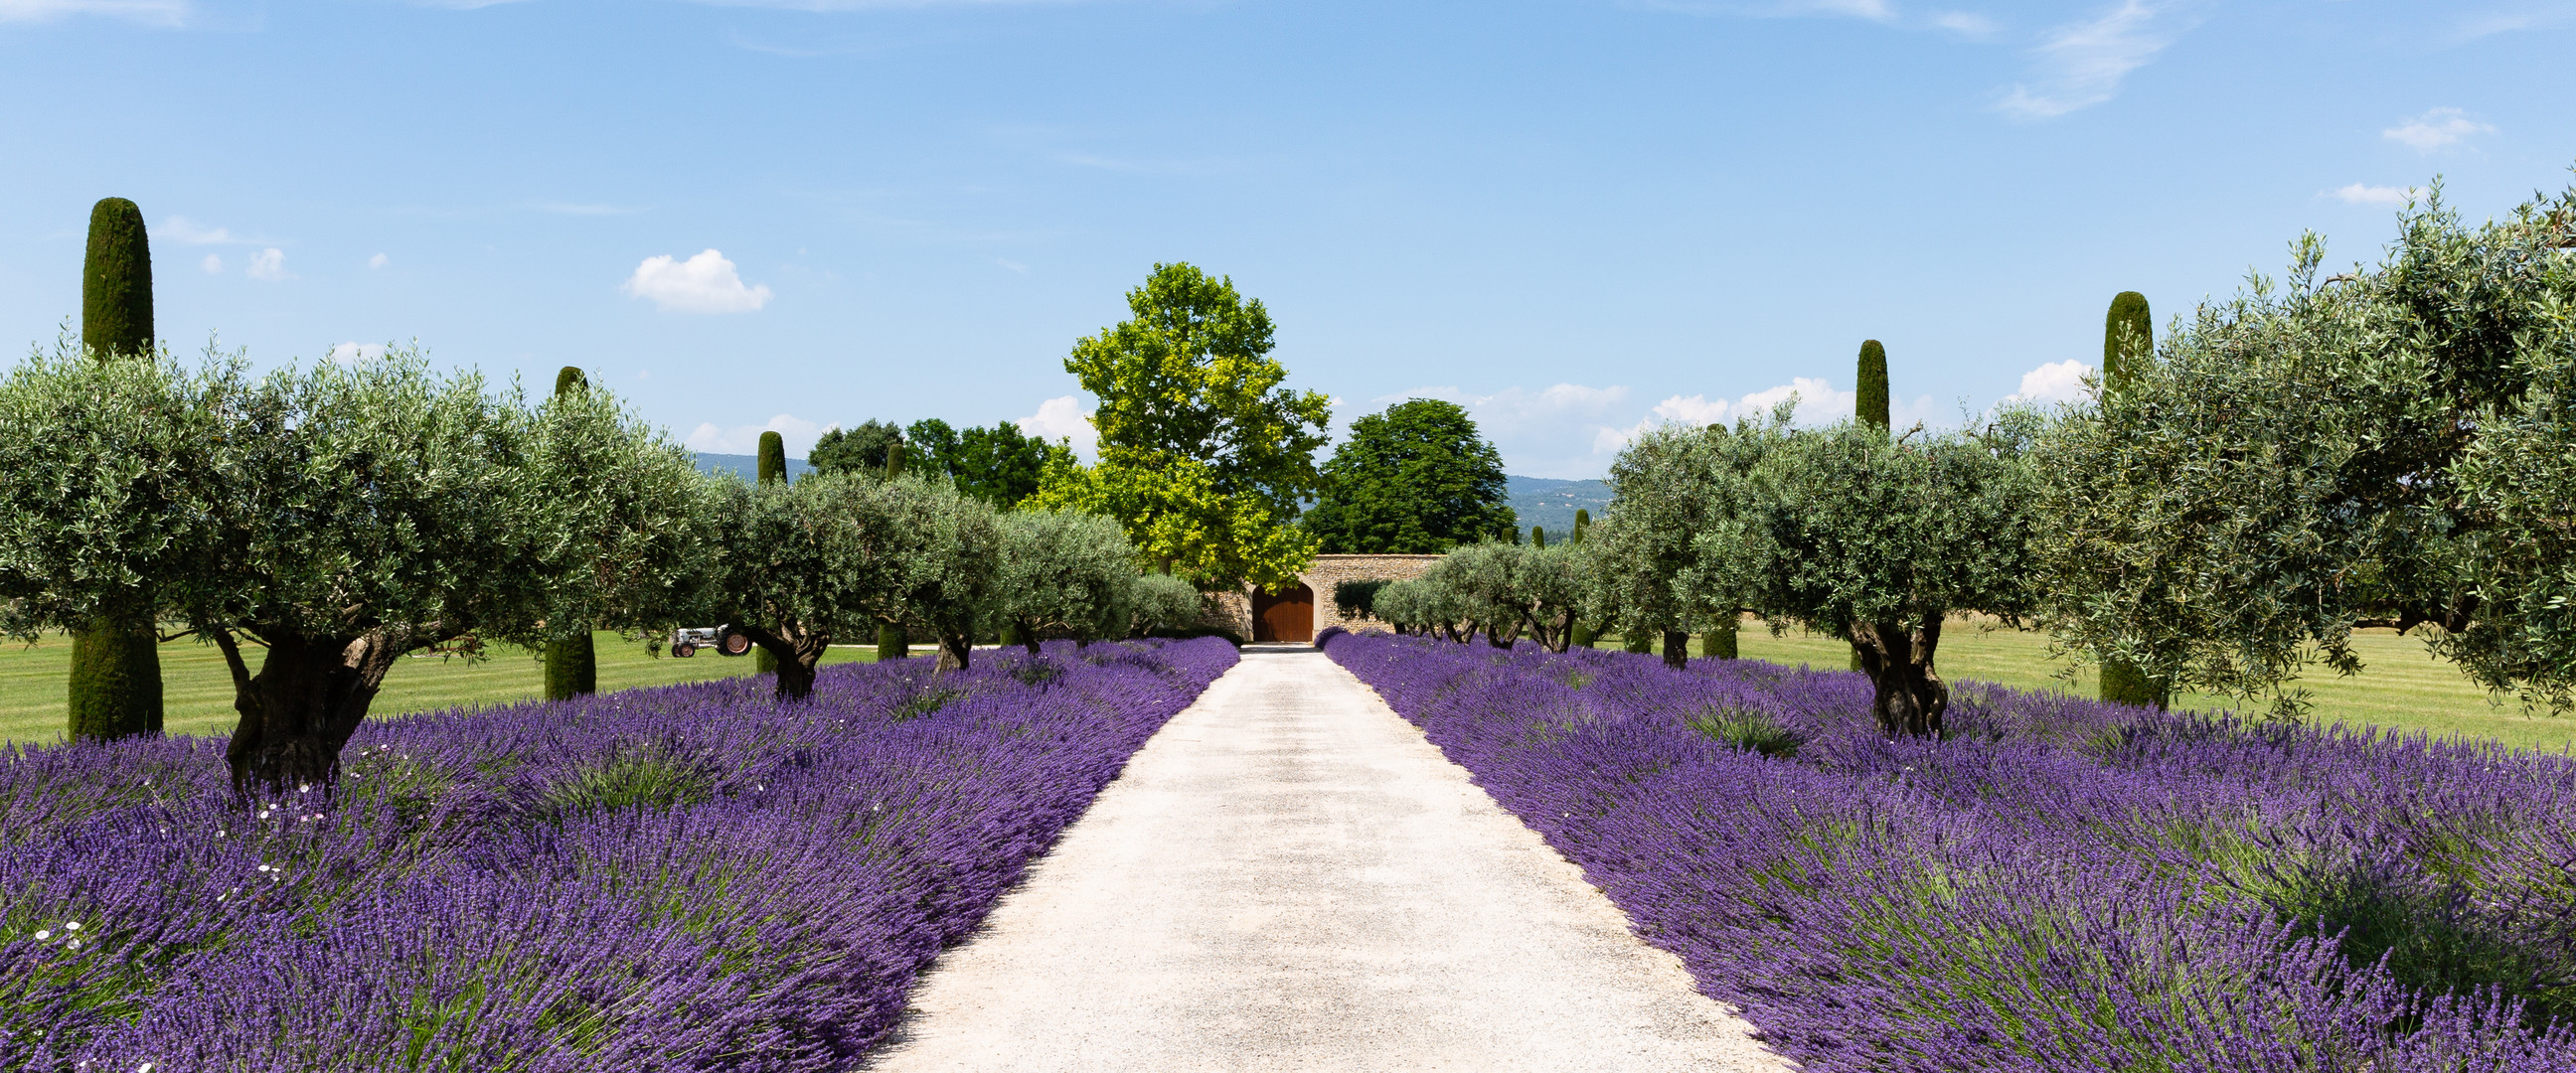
x=1203, y=456
x=1876, y=539
x=1415, y=480
x=2383, y=446
x=1000, y=465
x=863, y=449
x=335, y=517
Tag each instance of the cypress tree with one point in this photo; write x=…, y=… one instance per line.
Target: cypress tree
x=894, y=460
x=1873, y=384
x=1582, y=634
x=2122, y=681
x=2129, y=308
x=1720, y=642
x=773, y=470
x=115, y=688
x=1872, y=407
x=773, y=458
x=1538, y=536
x=891, y=642
x=572, y=663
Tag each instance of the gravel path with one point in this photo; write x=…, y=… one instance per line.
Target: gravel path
x=1289, y=877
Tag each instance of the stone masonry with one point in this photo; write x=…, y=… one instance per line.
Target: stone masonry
x=1233, y=610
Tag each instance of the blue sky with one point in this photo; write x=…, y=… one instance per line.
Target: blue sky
x=1574, y=216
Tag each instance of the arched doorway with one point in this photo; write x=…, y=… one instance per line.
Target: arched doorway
x=1289, y=616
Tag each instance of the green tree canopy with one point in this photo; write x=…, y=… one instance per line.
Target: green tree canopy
x=1415, y=480
x=1064, y=574
x=1850, y=532
x=339, y=516
x=2369, y=448
x=1203, y=456
x=1000, y=465
x=858, y=450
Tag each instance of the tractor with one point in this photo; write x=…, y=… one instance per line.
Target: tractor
x=726, y=640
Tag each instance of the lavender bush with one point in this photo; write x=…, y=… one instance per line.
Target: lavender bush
x=690, y=878
x=2059, y=885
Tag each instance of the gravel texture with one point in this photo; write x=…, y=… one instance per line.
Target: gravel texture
x=1289, y=877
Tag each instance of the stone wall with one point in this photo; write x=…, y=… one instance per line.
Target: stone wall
x=1233, y=610
x=1329, y=570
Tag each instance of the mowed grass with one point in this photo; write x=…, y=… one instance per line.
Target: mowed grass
x=197, y=691
x=2401, y=686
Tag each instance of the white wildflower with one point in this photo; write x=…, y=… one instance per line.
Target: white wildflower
x=71, y=925
x=44, y=935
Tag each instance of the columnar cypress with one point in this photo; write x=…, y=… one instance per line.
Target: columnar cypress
x=572, y=663
x=1581, y=635
x=2122, y=681
x=892, y=643
x=1873, y=384
x=116, y=662
x=894, y=460
x=1719, y=643
x=2127, y=308
x=1872, y=406
x=773, y=470
x=1538, y=536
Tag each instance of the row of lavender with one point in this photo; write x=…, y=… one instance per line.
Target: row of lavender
x=2058, y=885
x=690, y=878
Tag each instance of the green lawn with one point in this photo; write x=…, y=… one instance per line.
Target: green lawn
x=197, y=692
x=2400, y=687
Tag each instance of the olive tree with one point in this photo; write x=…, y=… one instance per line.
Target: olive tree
x=335, y=517
x=1161, y=601
x=834, y=554
x=1512, y=590
x=2386, y=446
x=1665, y=488
x=1064, y=574
x=1876, y=539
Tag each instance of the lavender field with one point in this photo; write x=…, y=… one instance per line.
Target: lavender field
x=2059, y=885
x=688, y=878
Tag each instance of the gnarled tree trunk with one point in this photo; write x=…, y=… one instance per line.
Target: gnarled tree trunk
x=309, y=695
x=955, y=650
x=1676, y=649
x=796, y=651
x=1910, y=695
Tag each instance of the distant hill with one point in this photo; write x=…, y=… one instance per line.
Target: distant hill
x=747, y=465
x=1551, y=504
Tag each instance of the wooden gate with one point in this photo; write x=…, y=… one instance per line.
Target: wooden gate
x=1289, y=616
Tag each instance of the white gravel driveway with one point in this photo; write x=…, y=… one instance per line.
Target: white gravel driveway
x=1289, y=877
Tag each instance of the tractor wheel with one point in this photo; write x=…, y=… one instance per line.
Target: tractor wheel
x=733, y=643
x=684, y=649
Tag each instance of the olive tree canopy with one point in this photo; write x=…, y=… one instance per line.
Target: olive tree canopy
x=1064, y=574
x=336, y=516
x=2386, y=446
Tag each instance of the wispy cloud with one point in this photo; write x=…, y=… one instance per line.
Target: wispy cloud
x=1873, y=10
x=2360, y=194
x=2437, y=128
x=185, y=232
x=567, y=208
x=148, y=12
x=2081, y=64
x=1966, y=24
x=213, y=264
x=1819, y=403
x=798, y=433
x=706, y=283
x=269, y=264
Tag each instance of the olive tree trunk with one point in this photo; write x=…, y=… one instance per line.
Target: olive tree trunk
x=955, y=651
x=1676, y=649
x=796, y=652
x=309, y=695
x=1910, y=695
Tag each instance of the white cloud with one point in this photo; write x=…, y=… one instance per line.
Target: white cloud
x=706, y=283
x=1967, y=24
x=2436, y=129
x=269, y=264
x=2081, y=64
x=2359, y=194
x=1820, y=403
x=745, y=439
x=356, y=351
x=213, y=264
x=153, y=12
x=1062, y=418
x=2057, y=381
x=377, y=261
x=1014, y=266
